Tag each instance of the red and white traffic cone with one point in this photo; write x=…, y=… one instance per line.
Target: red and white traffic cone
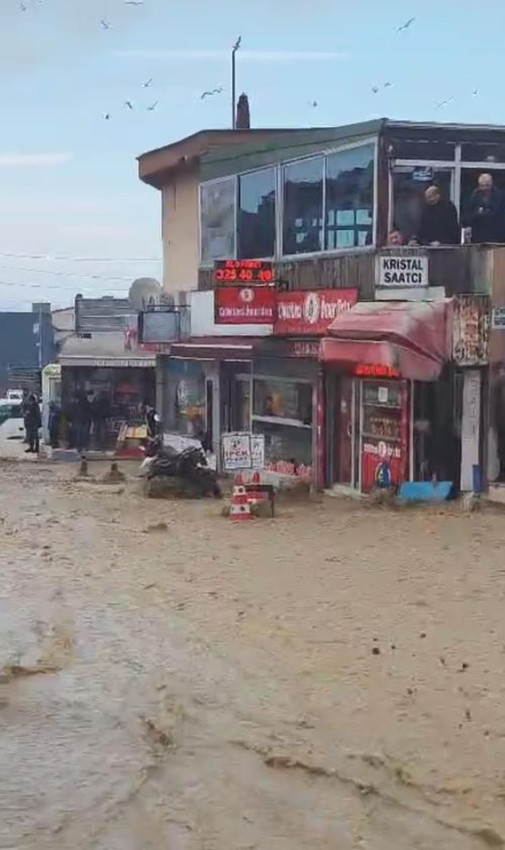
x=240, y=508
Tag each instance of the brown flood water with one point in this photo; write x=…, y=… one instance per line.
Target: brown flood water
x=332, y=679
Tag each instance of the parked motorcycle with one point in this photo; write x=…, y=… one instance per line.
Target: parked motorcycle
x=189, y=465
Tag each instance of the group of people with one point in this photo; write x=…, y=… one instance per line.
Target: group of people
x=88, y=413
x=483, y=219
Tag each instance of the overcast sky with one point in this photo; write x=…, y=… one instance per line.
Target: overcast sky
x=68, y=182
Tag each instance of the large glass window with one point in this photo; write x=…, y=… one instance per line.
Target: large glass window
x=283, y=399
x=409, y=185
x=256, y=217
x=349, y=198
x=217, y=217
x=303, y=207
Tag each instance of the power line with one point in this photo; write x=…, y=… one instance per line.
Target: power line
x=67, y=258
x=51, y=286
x=65, y=274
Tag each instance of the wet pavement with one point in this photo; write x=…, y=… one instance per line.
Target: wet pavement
x=332, y=678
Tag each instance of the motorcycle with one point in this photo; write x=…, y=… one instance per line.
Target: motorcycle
x=189, y=465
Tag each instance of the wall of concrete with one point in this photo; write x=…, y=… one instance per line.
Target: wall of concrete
x=180, y=232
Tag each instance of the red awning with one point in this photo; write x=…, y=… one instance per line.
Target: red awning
x=409, y=338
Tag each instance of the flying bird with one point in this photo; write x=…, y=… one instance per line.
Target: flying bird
x=22, y=7
x=147, y=83
x=375, y=89
x=475, y=92
x=406, y=25
x=129, y=104
x=387, y=85
x=212, y=92
x=444, y=103
x=107, y=116
x=237, y=43
x=105, y=24
x=134, y=2
x=153, y=106
x=313, y=103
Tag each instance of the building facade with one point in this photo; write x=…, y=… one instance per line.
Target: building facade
x=319, y=205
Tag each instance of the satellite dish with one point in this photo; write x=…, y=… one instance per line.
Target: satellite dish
x=145, y=292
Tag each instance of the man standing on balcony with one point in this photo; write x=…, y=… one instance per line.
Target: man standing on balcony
x=439, y=220
x=486, y=212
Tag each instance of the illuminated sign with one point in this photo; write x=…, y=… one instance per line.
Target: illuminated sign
x=244, y=305
x=311, y=311
x=376, y=370
x=243, y=272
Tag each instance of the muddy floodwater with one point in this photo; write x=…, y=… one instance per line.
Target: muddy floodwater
x=333, y=678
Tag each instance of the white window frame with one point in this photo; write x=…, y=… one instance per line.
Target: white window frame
x=278, y=168
x=209, y=264
x=371, y=140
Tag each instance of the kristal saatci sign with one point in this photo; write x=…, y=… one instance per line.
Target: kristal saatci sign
x=399, y=270
x=311, y=312
x=243, y=305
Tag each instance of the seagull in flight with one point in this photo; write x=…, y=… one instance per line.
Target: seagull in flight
x=444, y=103
x=105, y=24
x=406, y=25
x=237, y=43
x=134, y=2
x=147, y=83
x=107, y=116
x=153, y=106
x=375, y=89
x=313, y=103
x=212, y=92
x=129, y=104
x=387, y=85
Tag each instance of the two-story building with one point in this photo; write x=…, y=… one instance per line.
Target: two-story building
x=402, y=382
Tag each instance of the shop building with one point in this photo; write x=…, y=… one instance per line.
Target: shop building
x=318, y=205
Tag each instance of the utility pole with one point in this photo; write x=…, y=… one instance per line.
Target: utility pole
x=233, y=83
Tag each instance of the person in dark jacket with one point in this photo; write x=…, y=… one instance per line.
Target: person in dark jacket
x=54, y=424
x=439, y=220
x=33, y=421
x=486, y=212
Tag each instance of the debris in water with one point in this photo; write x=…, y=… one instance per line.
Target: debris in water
x=156, y=526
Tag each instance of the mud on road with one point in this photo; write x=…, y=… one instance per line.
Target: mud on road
x=332, y=678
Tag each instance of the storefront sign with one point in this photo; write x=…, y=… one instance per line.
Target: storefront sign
x=245, y=272
x=498, y=319
x=375, y=370
x=285, y=467
x=471, y=330
x=399, y=270
x=308, y=348
x=237, y=305
x=312, y=312
x=243, y=451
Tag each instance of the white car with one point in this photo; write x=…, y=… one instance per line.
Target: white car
x=12, y=426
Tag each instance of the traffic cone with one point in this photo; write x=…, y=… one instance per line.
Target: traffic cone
x=254, y=494
x=240, y=509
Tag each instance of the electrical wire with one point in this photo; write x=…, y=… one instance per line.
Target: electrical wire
x=65, y=274
x=67, y=258
x=52, y=286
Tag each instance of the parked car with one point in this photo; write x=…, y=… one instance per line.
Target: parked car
x=11, y=420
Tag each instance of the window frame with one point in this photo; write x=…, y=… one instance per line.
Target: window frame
x=278, y=168
x=230, y=178
x=275, y=168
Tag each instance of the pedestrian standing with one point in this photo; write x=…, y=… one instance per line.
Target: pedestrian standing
x=33, y=423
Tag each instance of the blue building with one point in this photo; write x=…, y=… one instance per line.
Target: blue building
x=26, y=346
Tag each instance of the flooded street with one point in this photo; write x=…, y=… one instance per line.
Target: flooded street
x=333, y=678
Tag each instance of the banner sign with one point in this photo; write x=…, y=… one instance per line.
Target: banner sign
x=311, y=312
x=237, y=305
x=243, y=451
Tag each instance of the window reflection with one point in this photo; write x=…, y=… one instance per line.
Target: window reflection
x=217, y=211
x=303, y=207
x=349, y=198
x=256, y=222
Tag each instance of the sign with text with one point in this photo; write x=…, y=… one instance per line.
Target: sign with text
x=243, y=272
x=311, y=312
x=243, y=451
x=400, y=270
x=498, y=318
x=244, y=305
